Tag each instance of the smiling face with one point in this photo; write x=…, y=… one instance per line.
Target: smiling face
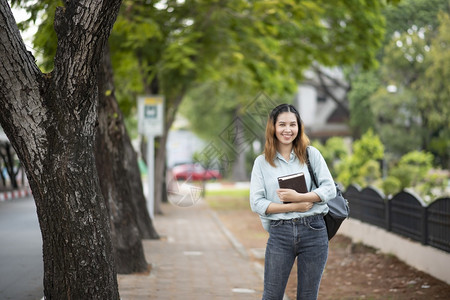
x=286, y=128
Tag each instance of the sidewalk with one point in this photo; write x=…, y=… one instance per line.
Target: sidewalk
x=194, y=259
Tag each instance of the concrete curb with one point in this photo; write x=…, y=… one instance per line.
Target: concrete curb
x=15, y=194
x=236, y=244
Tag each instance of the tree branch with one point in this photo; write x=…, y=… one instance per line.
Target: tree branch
x=340, y=103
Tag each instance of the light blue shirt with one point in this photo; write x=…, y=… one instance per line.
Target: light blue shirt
x=264, y=184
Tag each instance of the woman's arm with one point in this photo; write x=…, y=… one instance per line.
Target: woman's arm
x=263, y=206
x=289, y=195
x=326, y=189
x=275, y=208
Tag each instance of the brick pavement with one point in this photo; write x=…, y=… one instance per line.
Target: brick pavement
x=194, y=259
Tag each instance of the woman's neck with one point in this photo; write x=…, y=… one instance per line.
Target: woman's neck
x=285, y=150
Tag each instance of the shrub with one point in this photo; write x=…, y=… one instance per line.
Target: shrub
x=391, y=185
x=333, y=152
x=370, y=172
x=362, y=166
x=412, y=168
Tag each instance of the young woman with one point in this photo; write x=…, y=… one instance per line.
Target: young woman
x=296, y=229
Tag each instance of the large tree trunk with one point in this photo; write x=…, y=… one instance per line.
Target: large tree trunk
x=50, y=121
x=109, y=156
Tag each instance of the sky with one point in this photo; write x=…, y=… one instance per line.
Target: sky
x=27, y=35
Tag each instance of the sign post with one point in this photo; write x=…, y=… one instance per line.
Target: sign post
x=151, y=124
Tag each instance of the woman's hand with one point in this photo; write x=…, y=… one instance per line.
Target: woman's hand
x=301, y=206
x=288, y=195
x=275, y=208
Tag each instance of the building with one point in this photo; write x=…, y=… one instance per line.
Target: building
x=322, y=101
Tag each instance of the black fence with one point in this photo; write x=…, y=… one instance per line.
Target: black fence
x=405, y=214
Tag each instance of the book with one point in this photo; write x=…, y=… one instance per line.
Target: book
x=293, y=181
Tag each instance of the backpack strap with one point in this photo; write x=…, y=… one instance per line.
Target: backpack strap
x=311, y=172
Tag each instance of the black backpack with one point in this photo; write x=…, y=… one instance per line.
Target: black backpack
x=338, y=206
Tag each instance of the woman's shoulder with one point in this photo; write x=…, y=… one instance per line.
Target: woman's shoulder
x=259, y=162
x=313, y=151
x=260, y=159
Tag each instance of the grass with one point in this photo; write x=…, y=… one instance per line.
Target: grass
x=228, y=193
x=228, y=199
x=227, y=202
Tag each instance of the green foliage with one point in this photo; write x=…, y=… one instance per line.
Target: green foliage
x=432, y=84
x=336, y=147
x=405, y=174
x=391, y=185
x=368, y=147
x=169, y=47
x=412, y=168
x=370, y=172
x=415, y=60
x=362, y=117
x=440, y=144
x=362, y=166
x=433, y=186
x=398, y=126
x=334, y=151
x=422, y=160
x=44, y=41
x=434, y=92
x=410, y=13
x=404, y=56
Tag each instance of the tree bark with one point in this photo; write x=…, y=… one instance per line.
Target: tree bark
x=50, y=121
x=144, y=222
x=132, y=175
x=109, y=157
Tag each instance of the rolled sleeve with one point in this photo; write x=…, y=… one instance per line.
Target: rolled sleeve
x=258, y=200
x=326, y=189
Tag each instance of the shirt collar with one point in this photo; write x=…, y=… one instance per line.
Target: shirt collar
x=291, y=156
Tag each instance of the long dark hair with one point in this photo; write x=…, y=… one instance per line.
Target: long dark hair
x=300, y=142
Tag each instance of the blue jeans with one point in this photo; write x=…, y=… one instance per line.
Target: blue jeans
x=305, y=239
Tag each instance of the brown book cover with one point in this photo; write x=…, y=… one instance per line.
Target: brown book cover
x=293, y=181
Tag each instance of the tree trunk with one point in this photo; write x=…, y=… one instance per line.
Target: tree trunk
x=50, y=121
x=160, y=161
x=160, y=174
x=239, y=173
x=109, y=157
x=133, y=174
x=132, y=177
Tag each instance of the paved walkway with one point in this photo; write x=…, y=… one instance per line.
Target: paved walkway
x=194, y=259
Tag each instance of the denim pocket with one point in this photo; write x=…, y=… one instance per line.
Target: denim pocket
x=317, y=224
x=275, y=223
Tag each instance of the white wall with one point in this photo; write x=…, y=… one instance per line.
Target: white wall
x=424, y=258
x=307, y=104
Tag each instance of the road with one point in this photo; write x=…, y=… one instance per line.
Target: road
x=21, y=266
